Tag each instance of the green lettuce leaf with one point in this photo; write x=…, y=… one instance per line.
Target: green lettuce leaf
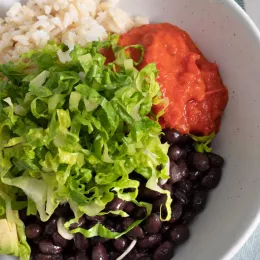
x=102, y=231
x=202, y=142
x=74, y=132
x=12, y=235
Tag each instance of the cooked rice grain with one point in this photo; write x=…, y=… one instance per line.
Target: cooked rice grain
x=71, y=22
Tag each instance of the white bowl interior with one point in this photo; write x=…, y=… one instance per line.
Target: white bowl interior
x=226, y=35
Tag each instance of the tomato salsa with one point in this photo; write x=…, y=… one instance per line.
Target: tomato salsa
x=197, y=96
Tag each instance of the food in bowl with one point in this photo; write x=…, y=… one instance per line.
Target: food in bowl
x=106, y=127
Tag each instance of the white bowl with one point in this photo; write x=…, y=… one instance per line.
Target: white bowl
x=226, y=35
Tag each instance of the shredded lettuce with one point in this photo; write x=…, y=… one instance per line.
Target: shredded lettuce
x=202, y=142
x=73, y=132
x=100, y=230
x=12, y=235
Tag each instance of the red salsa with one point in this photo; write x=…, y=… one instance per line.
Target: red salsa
x=197, y=96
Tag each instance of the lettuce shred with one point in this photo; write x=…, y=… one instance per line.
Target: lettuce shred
x=73, y=132
x=202, y=143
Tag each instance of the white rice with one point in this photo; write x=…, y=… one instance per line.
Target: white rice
x=71, y=22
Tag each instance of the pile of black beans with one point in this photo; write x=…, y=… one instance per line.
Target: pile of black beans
x=192, y=176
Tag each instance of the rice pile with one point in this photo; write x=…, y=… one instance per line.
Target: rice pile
x=71, y=22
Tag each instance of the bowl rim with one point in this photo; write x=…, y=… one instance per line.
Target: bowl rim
x=247, y=233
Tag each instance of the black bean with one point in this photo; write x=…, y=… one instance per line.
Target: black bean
x=198, y=186
x=165, y=227
x=147, y=193
x=136, y=176
x=99, y=252
x=153, y=224
x=71, y=258
x=80, y=241
x=178, y=172
x=40, y=256
x=141, y=252
x=181, y=196
x=177, y=209
x=140, y=213
x=150, y=241
x=110, y=223
x=127, y=222
x=168, y=187
x=188, y=148
x=68, y=253
x=112, y=229
x=33, y=231
x=129, y=207
x=51, y=226
x=200, y=199
x=212, y=179
x=185, y=140
x=118, y=227
x=159, y=202
x=164, y=252
x=80, y=223
x=138, y=254
x=136, y=233
x=81, y=255
x=36, y=241
x=171, y=136
x=46, y=247
x=179, y=234
x=215, y=160
x=96, y=219
x=115, y=204
x=185, y=186
x=63, y=211
x=114, y=255
x=187, y=217
x=195, y=176
x=200, y=162
x=132, y=255
x=144, y=257
x=99, y=240
x=126, y=190
x=121, y=244
x=59, y=240
x=176, y=153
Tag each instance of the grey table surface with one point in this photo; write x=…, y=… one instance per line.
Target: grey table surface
x=251, y=250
